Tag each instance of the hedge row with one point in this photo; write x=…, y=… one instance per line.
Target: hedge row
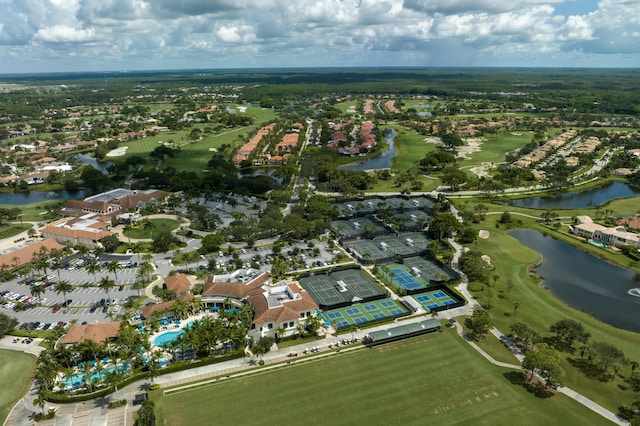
x=178, y=366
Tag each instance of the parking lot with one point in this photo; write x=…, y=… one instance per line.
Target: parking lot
x=84, y=298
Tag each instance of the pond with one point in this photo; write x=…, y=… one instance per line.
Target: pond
x=581, y=199
x=382, y=161
x=89, y=160
x=586, y=282
x=37, y=196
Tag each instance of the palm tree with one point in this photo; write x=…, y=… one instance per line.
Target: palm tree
x=113, y=267
x=40, y=401
x=62, y=287
x=147, y=225
x=37, y=291
x=93, y=267
x=145, y=270
x=106, y=284
x=112, y=378
x=57, y=265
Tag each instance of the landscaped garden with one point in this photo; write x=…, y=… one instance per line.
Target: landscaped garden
x=147, y=228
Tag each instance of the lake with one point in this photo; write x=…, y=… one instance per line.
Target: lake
x=89, y=160
x=382, y=161
x=581, y=199
x=586, y=282
x=37, y=196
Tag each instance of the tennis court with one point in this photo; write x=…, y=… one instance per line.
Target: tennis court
x=387, y=246
x=340, y=288
x=363, y=313
x=402, y=277
x=434, y=299
x=430, y=270
x=354, y=228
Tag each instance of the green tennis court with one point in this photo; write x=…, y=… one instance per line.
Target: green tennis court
x=363, y=313
x=340, y=288
x=430, y=271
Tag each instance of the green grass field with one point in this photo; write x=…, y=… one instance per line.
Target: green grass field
x=434, y=379
x=540, y=309
x=35, y=212
x=158, y=224
x=410, y=146
x=16, y=372
x=495, y=147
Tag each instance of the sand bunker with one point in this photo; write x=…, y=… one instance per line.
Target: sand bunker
x=118, y=152
x=483, y=234
x=486, y=259
x=472, y=145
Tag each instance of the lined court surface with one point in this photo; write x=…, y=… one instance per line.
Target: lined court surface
x=429, y=270
x=340, y=287
x=404, y=279
x=363, y=313
x=434, y=299
x=410, y=243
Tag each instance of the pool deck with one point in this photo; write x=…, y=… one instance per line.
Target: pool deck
x=177, y=327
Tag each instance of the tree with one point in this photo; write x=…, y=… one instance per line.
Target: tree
x=93, y=267
x=211, y=243
x=607, y=355
x=7, y=324
x=524, y=333
x=569, y=331
x=442, y=224
x=480, y=323
x=106, y=284
x=62, y=287
x=113, y=267
x=36, y=291
x=263, y=346
x=110, y=243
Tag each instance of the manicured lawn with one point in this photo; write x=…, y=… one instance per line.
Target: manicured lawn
x=410, y=146
x=158, y=224
x=344, y=106
x=34, y=212
x=495, y=147
x=540, y=309
x=16, y=372
x=434, y=379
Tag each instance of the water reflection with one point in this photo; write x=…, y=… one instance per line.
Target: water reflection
x=382, y=161
x=586, y=282
x=581, y=199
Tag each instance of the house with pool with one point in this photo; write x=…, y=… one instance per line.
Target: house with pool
x=277, y=306
x=617, y=236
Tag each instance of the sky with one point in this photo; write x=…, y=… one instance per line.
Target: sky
x=118, y=35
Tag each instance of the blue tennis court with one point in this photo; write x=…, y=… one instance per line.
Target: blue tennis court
x=387, y=303
x=370, y=308
x=353, y=311
x=405, y=279
x=434, y=299
x=334, y=315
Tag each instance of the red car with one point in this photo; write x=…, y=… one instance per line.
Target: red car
x=56, y=309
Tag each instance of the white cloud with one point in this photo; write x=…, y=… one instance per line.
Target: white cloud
x=318, y=32
x=64, y=34
x=236, y=34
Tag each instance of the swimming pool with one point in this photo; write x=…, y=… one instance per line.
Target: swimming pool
x=167, y=337
x=598, y=243
x=77, y=380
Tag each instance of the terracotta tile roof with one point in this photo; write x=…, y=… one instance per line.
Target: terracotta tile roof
x=24, y=254
x=149, y=310
x=99, y=333
x=178, y=283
